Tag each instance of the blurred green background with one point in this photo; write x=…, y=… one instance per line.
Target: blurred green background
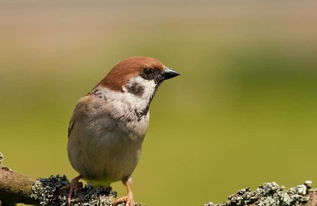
x=243, y=112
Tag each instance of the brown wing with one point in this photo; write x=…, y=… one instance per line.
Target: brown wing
x=78, y=112
x=70, y=126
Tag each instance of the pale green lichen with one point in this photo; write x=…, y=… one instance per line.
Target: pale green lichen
x=48, y=192
x=269, y=194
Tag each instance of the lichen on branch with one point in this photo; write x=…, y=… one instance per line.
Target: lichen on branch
x=270, y=194
x=48, y=192
x=16, y=188
x=1, y=159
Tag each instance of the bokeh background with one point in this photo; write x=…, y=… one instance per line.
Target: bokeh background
x=242, y=113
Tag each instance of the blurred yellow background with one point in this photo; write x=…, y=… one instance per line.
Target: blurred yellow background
x=243, y=112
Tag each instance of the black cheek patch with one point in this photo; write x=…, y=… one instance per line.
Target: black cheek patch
x=136, y=89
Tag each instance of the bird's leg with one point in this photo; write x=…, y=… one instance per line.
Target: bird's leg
x=128, y=199
x=74, y=186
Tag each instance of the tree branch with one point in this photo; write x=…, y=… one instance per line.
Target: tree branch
x=16, y=188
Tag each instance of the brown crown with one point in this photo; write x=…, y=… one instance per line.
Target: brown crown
x=126, y=69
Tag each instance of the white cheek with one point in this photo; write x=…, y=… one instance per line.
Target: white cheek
x=125, y=100
x=148, y=85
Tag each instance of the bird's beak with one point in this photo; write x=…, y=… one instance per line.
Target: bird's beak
x=169, y=73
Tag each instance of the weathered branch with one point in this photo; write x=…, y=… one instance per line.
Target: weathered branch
x=17, y=188
x=272, y=194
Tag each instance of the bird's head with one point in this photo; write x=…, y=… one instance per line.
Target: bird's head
x=139, y=76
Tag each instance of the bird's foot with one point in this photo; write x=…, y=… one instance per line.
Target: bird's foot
x=73, y=188
x=127, y=199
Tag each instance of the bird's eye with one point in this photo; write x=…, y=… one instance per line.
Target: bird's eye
x=148, y=73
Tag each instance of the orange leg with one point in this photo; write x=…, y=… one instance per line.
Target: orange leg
x=128, y=199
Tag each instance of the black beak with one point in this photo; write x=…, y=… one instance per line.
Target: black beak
x=169, y=73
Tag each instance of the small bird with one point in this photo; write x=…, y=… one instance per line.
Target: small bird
x=108, y=125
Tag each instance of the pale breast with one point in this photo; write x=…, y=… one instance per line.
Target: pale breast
x=104, y=142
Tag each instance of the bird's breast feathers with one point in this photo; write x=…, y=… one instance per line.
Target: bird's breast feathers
x=105, y=138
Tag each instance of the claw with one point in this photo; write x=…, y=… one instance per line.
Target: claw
x=127, y=199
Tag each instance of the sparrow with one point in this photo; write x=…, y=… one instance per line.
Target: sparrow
x=108, y=125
